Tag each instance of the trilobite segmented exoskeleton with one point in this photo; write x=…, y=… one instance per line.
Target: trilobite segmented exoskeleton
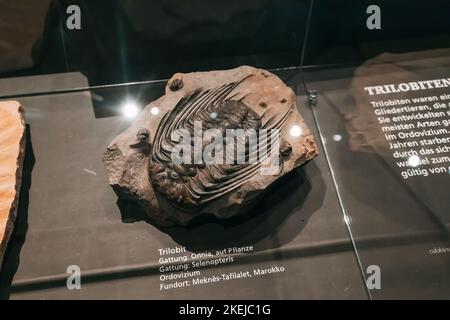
x=190, y=185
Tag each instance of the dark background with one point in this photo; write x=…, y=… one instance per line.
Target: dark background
x=135, y=40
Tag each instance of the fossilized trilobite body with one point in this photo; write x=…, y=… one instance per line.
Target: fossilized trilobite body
x=140, y=161
x=192, y=185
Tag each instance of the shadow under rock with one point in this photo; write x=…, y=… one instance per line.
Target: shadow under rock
x=278, y=216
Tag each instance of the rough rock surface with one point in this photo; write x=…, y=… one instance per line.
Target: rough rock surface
x=139, y=161
x=12, y=149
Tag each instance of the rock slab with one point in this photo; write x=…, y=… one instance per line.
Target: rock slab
x=12, y=151
x=140, y=161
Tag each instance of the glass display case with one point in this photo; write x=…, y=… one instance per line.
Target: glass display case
x=368, y=218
